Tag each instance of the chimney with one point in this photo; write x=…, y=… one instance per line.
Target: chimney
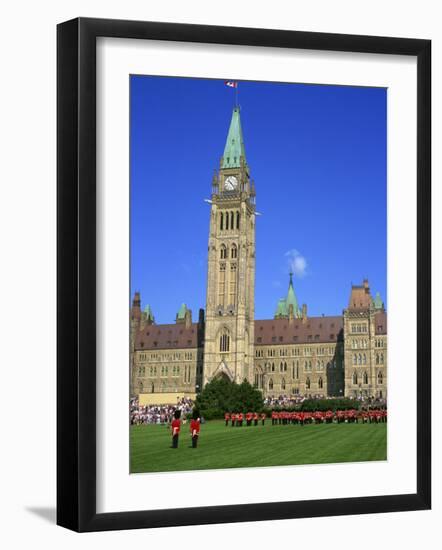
x=304, y=313
x=188, y=318
x=291, y=314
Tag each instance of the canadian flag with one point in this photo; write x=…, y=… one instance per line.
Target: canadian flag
x=231, y=84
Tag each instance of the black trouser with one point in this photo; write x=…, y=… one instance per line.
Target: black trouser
x=263, y=421
x=256, y=421
x=194, y=441
x=227, y=422
x=175, y=441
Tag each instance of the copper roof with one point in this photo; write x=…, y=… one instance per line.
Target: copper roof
x=267, y=332
x=313, y=330
x=173, y=336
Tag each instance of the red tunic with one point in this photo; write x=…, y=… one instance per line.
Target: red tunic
x=195, y=427
x=176, y=426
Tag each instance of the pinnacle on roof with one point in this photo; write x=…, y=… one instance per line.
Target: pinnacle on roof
x=182, y=312
x=291, y=298
x=377, y=301
x=234, y=149
x=149, y=313
x=283, y=308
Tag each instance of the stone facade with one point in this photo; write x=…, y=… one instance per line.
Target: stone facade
x=292, y=354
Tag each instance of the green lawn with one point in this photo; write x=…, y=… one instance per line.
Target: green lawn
x=221, y=447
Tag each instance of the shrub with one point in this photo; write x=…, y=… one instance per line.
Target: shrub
x=221, y=395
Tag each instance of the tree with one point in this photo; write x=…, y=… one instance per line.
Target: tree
x=221, y=395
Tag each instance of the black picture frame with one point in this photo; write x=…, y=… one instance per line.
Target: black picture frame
x=76, y=274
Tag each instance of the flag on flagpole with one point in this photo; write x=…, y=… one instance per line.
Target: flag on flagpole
x=231, y=84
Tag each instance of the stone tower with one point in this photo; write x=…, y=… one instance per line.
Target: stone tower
x=229, y=331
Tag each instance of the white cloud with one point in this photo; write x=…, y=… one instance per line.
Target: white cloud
x=296, y=263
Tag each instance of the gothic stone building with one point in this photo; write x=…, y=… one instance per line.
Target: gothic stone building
x=291, y=354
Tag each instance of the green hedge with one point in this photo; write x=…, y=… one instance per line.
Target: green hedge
x=220, y=396
x=341, y=404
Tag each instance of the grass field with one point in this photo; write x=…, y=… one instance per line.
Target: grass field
x=221, y=447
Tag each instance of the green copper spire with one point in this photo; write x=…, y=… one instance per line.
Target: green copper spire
x=234, y=149
x=283, y=308
x=377, y=302
x=291, y=299
x=182, y=312
x=149, y=314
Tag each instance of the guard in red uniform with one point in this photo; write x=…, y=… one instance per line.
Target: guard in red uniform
x=263, y=418
x=239, y=419
x=176, y=426
x=227, y=418
x=255, y=418
x=249, y=418
x=195, y=429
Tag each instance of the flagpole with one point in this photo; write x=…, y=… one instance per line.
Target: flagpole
x=236, y=95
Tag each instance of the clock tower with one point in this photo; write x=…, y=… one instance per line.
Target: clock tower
x=229, y=329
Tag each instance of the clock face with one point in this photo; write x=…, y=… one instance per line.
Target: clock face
x=231, y=183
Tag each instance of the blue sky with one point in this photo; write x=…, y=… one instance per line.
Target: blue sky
x=318, y=158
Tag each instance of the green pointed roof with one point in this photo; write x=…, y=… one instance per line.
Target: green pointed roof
x=149, y=313
x=281, y=310
x=377, y=302
x=182, y=312
x=234, y=149
x=283, y=307
x=291, y=297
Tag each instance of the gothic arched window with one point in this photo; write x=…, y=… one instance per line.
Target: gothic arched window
x=380, y=378
x=283, y=384
x=224, y=341
x=221, y=221
x=355, y=378
x=365, y=378
x=270, y=384
x=320, y=384
x=223, y=252
x=307, y=383
x=237, y=220
x=234, y=251
x=231, y=220
x=355, y=359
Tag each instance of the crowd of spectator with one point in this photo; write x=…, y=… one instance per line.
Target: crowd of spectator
x=158, y=414
x=290, y=401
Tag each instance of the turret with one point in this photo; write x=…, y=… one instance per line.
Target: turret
x=288, y=307
x=184, y=316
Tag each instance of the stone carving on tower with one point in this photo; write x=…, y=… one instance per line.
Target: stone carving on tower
x=229, y=330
